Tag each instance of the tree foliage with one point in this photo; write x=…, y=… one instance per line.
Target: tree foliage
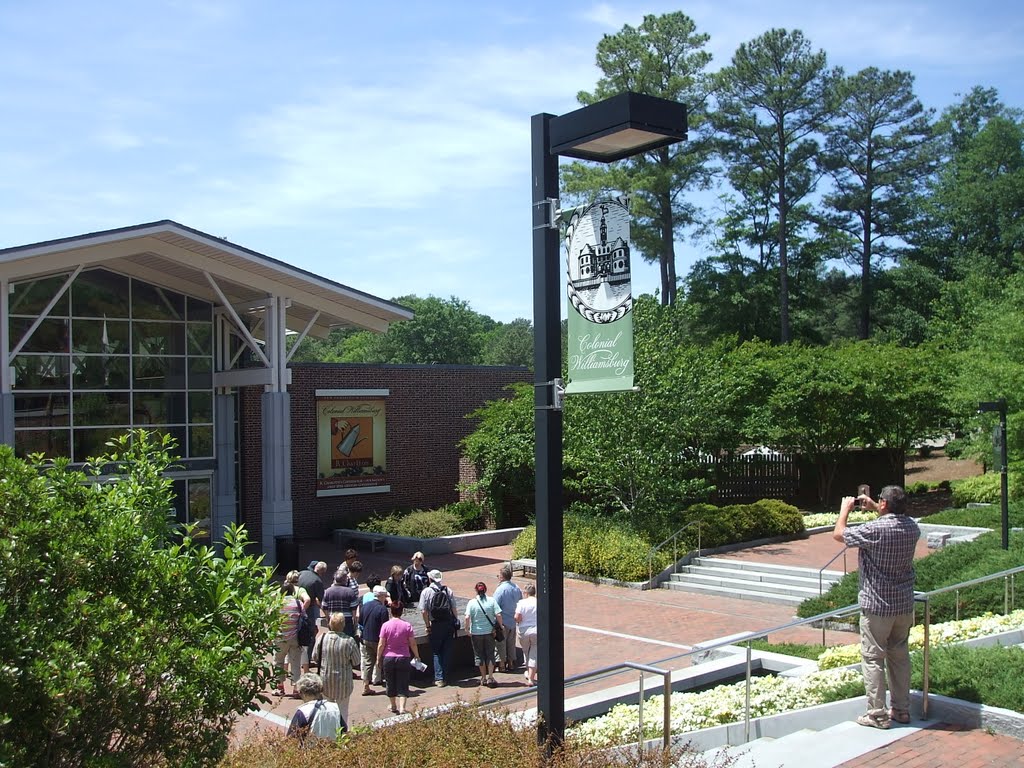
x=124, y=642
x=663, y=57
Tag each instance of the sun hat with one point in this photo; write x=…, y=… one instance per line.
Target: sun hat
x=435, y=575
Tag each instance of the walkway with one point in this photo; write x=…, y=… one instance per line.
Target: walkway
x=606, y=625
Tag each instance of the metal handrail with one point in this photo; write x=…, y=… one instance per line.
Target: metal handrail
x=674, y=538
x=1009, y=584
x=821, y=589
x=748, y=637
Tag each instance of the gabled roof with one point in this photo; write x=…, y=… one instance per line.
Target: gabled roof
x=175, y=256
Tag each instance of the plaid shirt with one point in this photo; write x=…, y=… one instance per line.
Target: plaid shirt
x=886, y=562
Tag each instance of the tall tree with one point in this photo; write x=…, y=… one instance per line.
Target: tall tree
x=663, y=57
x=877, y=151
x=772, y=100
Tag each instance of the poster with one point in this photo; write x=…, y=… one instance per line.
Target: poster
x=351, y=442
x=600, y=293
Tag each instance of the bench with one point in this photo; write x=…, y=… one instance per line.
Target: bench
x=524, y=566
x=348, y=538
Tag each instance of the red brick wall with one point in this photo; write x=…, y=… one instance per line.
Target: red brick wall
x=426, y=412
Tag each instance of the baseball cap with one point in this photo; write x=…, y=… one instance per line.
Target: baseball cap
x=435, y=575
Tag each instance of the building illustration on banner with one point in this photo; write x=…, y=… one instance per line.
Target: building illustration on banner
x=597, y=239
x=351, y=450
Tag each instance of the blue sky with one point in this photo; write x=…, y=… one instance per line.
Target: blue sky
x=382, y=145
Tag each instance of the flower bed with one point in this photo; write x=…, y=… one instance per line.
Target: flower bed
x=823, y=519
x=939, y=634
x=771, y=695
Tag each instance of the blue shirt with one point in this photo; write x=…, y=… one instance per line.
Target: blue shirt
x=478, y=611
x=507, y=596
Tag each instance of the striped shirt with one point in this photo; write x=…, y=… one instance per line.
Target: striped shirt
x=290, y=609
x=337, y=655
x=886, y=562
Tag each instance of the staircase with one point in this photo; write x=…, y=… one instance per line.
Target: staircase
x=745, y=580
x=809, y=748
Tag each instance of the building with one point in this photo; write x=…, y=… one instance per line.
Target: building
x=160, y=326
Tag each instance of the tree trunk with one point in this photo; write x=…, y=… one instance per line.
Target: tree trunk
x=784, y=336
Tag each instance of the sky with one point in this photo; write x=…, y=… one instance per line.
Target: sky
x=384, y=145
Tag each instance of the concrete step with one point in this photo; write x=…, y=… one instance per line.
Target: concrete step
x=750, y=585
x=749, y=565
x=736, y=593
x=812, y=749
x=745, y=574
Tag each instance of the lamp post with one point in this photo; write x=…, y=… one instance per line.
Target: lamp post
x=999, y=406
x=613, y=129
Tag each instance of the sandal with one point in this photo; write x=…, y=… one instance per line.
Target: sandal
x=874, y=721
x=899, y=716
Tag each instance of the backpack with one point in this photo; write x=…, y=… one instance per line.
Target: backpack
x=306, y=631
x=440, y=604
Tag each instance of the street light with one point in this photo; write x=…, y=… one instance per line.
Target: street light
x=999, y=406
x=613, y=129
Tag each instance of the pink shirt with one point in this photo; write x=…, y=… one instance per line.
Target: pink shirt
x=394, y=636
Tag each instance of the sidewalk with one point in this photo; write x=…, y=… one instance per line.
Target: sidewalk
x=605, y=625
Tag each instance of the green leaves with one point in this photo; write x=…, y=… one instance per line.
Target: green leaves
x=121, y=644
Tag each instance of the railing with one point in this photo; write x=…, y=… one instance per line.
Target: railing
x=821, y=589
x=674, y=540
x=1009, y=578
x=1008, y=601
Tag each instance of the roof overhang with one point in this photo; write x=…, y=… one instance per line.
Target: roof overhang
x=179, y=258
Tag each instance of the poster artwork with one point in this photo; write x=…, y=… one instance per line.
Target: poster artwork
x=351, y=442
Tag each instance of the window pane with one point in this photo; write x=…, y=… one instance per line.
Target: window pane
x=41, y=411
x=102, y=408
x=99, y=293
x=199, y=310
x=101, y=372
x=160, y=408
x=199, y=507
x=93, y=442
x=158, y=338
x=159, y=372
x=200, y=442
x=177, y=450
x=31, y=296
x=52, y=443
x=200, y=408
x=150, y=302
x=41, y=372
x=50, y=336
x=200, y=373
x=100, y=336
x=200, y=339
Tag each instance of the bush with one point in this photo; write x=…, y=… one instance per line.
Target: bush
x=989, y=676
x=741, y=522
x=124, y=641
x=597, y=547
x=457, y=736
x=980, y=517
x=979, y=489
x=418, y=524
x=919, y=487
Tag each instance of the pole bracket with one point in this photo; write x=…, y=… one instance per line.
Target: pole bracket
x=553, y=212
x=556, y=396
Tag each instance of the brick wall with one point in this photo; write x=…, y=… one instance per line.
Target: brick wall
x=426, y=412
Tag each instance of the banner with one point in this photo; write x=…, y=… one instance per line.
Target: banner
x=351, y=455
x=600, y=298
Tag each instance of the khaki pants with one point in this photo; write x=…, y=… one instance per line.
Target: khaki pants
x=884, y=652
x=370, y=667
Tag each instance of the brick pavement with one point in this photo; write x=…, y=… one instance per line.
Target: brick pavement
x=606, y=625
x=945, y=746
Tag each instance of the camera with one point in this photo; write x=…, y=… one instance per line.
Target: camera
x=862, y=490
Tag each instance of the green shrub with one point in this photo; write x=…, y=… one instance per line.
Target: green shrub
x=980, y=517
x=124, y=641
x=741, y=522
x=418, y=524
x=919, y=487
x=470, y=514
x=989, y=676
x=800, y=650
x=597, y=547
x=979, y=489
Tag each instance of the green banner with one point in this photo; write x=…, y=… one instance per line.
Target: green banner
x=600, y=298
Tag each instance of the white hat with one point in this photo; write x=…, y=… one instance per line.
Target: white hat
x=379, y=590
x=435, y=575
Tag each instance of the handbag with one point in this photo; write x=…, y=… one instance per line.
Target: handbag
x=499, y=633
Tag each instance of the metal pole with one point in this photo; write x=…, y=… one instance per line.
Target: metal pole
x=746, y=706
x=666, y=693
x=640, y=708
x=927, y=658
x=547, y=356
x=1004, y=499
